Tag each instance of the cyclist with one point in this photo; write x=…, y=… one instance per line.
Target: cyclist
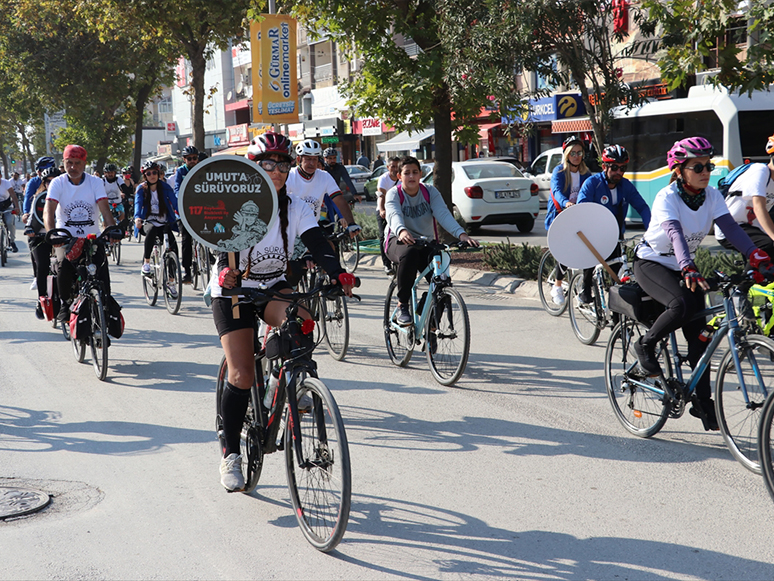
x=387, y=181
x=750, y=200
x=127, y=192
x=259, y=265
x=40, y=250
x=615, y=192
x=340, y=175
x=33, y=184
x=18, y=184
x=412, y=209
x=566, y=181
x=114, y=192
x=191, y=157
x=154, y=203
x=9, y=208
x=74, y=199
x=682, y=216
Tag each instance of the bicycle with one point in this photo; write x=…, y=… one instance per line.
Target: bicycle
x=440, y=318
x=88, y=305
x=588, y=319
x=546, y=282
x=5, y=238
x=165, y=274
x=201, y=265
x=315, y=442
x=643, y=404
x=115, y=246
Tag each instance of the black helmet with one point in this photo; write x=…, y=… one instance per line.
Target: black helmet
x=203, y=156
x=44, y=162
x=149, y=165
x=50, y=172
x=615, y=154
x=110, y=167
x=190, y=150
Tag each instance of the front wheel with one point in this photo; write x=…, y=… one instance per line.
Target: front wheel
x=349, y=252
x=584, y=317
x=172, y=283
x=334, y=319
x=150, y=282
x=738, y=408
x=765, y=441
x=546, y=281
x=399, y=340
x=99, y=338
x=115, y=252
x=79, y=346
x=320, y=481
x=641, y=407
x=447, y=335
x=3, y=245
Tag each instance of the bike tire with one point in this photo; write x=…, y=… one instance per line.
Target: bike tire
x=3, y=245
x=251, y=447
x=117, y=252
x=546, y=281
x=349, y=251
x=334, y=318
x=173, y=297
x=399, y=340
x=765, y=444
x=641, y=411
x=99, y=338
x=150, y=283
x=321, y=486
x=79, y=347
x=738, y=419
x=447, y=336
x=584, y=319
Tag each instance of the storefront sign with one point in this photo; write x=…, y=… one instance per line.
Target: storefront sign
x=165, y=149
x=273, y=46
x=329, y=140
x=237, y=134
x=371, y=126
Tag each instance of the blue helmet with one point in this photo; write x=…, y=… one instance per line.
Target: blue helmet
x=44, y=162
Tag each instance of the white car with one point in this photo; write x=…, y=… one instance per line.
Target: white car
x=359, y=176
x=541, y=170
x=492, y=192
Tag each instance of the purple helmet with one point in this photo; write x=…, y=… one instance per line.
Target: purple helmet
x=267, y=144
x=689, y=148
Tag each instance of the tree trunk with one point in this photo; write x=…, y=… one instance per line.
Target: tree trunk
x=26, y=151
x=142, y=99
x=443, y=143
x=199, y=65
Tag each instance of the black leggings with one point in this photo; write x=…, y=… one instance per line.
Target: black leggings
x=41, y=264
x=187, y=241
x=663, y=285
x=156, y=233
x=381, y=224
x=410, y=260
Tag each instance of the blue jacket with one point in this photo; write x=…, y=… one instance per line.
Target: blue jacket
x=558, y=192
x=141, y=211
x=29, y=194
x=595, y=189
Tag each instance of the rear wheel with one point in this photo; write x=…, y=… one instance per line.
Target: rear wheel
x=546, y=282
x=447, y=335
x=172, y=283
x=399, y=340
x=334, y=318
x=584, y=317
x=79, y=346
x=349, y=252
x=150, y=283
x=765, y=442
x=320, y=484
x=99, y=338
x=3, y=244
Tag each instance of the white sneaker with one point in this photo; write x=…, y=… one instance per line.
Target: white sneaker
x=231, y=473
x=34, y=285
x=557, y=294
x=146, y=268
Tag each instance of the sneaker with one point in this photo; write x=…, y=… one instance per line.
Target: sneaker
x=187, y=277
x=404, y=316
x=585, y=298
x=34, y=284
x=39, y=311
x=305, y=404
x=647, y=358
x=63, y=316
x=704, y=409
x=389, y=271
x=557, y=294
x=231, y=473
x=172, y=289
x=14, y=248
x=146, y=268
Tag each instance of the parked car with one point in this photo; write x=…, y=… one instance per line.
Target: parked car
x=540, y=172
x=508, y=159
x=369, y=189
x=359, y=175
x=492, y=192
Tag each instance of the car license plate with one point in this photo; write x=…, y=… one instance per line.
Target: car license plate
x=502, y=194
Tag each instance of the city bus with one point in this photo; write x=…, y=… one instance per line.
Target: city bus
x=736, y=125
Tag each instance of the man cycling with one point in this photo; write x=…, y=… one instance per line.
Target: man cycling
x=615, y=192
x=72, y=203
x=191, y=157
x=9, y=208
x=750, y=200
x=339, y=174
x=114, y=192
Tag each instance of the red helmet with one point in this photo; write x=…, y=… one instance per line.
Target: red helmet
x=615, y=154
x=267, y=144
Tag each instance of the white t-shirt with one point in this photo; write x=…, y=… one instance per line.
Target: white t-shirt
x=5, y=185
x=574, y=186
x=266, y=262
x=753, y=182
x=113, y=190
x=18, y=186
x=77, y=210
x=312, y=191
x=695, y=224
x=385, y=183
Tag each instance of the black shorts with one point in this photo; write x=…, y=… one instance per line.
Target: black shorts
x=224, y=318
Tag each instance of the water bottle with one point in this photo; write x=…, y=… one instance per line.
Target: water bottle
x=271, y=388
x=706, y=333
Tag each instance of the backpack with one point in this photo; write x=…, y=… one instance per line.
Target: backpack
x=401, y=197
x=725, y=183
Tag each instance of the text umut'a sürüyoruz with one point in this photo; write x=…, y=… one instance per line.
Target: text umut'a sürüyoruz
x=228, y=183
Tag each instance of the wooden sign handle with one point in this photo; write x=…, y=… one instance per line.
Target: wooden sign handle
x=232, y=264
x=598, y=256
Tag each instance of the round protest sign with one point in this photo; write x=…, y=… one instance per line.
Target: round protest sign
x=227, y=203
x=595, y=222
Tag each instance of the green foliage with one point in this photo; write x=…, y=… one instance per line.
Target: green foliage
x=725, y=262
x=368, y=223
x=522, y=261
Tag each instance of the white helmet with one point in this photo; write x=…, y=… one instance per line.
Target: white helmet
x=309, y=147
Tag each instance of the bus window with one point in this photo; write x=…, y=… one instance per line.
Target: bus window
x=755, y=127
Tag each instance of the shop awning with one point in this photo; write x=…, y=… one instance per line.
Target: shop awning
x=238, y=150
x=571, y=125
x=485, y=128
x=405, y=141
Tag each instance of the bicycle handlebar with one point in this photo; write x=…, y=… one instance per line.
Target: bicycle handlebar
x=260, y=296
x=424, y=241
x=57, y=236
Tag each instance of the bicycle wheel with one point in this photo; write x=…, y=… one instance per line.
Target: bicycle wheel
x=79, y=347
x=641, y=411
x=150, y=283
x=320, y=485
x=203, y=266
x=115, y=251
x=99, y=339
x=583, y=317
x=349, y=251
x=399, y=340
x=546, y=282
x=334, y=318
x=738, y=416
x=765, y=444
x=3, y=245
x=447, y=332
x=250, y=448
x=172, y=282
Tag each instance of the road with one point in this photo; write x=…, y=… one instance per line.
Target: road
x=518, y=472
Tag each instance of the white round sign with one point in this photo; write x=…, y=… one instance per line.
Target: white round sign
x=595, y=221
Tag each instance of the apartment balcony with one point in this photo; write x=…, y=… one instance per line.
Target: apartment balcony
x=323, y=73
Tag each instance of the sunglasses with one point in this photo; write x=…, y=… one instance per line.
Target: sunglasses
x=576, y=153
x=616, y=167
x=192, y=158
x=151, y=172
x=698, y=168
x=270, y=164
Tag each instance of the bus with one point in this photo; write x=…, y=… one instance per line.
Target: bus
x=736, y=125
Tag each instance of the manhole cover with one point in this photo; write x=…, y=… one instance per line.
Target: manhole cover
x=20, y=501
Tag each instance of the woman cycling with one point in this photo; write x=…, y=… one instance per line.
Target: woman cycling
x=566, y=181
x=155, y=203
x=40, y=250
x=261, y=265
x=682, y=215
x=412, y=210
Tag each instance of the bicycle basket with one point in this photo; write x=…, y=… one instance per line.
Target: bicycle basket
x=632, y=302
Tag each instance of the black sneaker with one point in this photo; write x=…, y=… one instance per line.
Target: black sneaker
x=187, y=277
x=403, y=317
x=39, y=311
x=647, y=358
x=585, y=297
x=63, y=316
x=13, y=247
x=704, y=409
